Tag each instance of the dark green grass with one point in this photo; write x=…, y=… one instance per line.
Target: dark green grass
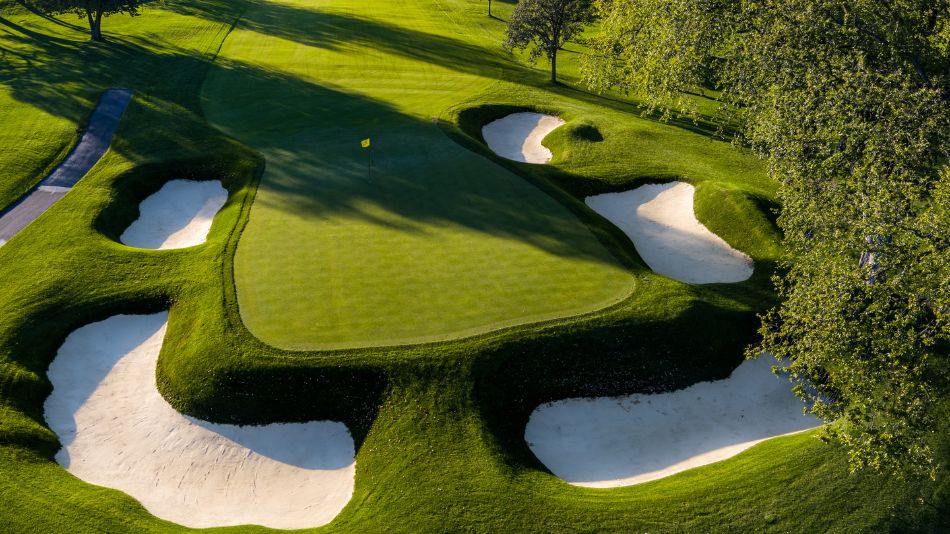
x=438, y=427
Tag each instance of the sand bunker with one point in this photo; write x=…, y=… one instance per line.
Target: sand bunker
x=660, y=221
x=179, y=215
x=518, y=136
x=618, y=441
x=118, y=431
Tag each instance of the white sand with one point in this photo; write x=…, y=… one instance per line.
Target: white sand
x=660, y=220
x=118, y=431
x=518, y=136
x=179, y=215
x=619, y=441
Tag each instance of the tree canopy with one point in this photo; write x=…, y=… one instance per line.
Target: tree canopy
x=544, y=26
x=91, y=10
x=850, y=102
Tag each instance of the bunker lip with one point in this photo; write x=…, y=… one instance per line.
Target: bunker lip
x=620, y=441
x=179, y=215
x=660, y=220
x=518, y=136
x=118, y=431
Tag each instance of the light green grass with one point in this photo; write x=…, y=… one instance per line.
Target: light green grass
x=438, y=428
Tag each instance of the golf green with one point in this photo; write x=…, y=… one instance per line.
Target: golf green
x=426, y=240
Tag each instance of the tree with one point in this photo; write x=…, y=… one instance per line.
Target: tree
x=547, y=25
x=658, y=49
x=850, y=101
x=92, y=10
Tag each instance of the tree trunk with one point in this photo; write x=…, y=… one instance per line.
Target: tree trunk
x=553, y=46
x=97, y=33
x=92, y=25
x=95, y=24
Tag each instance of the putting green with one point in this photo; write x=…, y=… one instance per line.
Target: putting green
x=437, y=242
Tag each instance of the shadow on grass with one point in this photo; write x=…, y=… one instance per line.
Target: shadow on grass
x=705, y=125
x=32, y=8
x=322, y=29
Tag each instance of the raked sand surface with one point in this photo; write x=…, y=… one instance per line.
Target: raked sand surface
x=607, y=442
x=518, y=136
x=118, y=431
x=179, y=215
x=660, y=220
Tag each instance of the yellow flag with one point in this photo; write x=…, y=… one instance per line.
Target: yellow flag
x=365, y=143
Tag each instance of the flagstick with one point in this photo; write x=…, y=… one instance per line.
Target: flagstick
x=369, y=162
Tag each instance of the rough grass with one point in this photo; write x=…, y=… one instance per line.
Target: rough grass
x=438, y=427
